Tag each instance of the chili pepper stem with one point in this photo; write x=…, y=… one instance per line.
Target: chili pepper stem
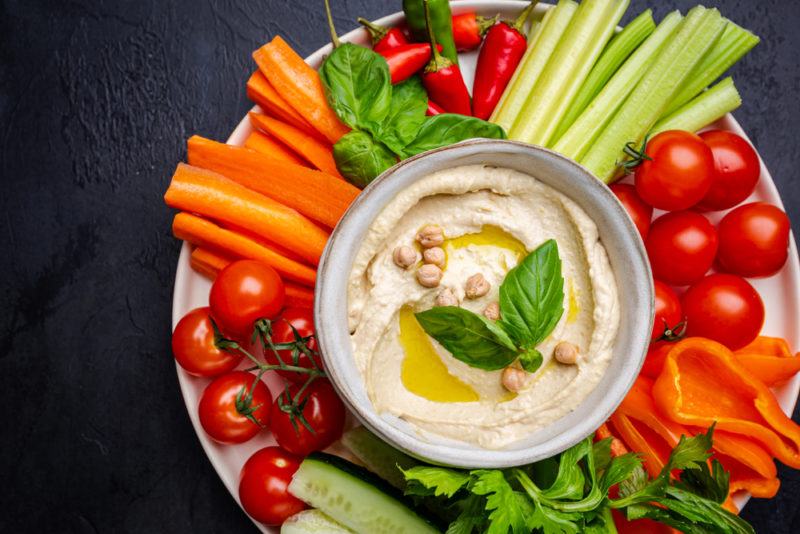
x=485, y=23
x=375, y=32
x=334, y=38
x=438, y=61
x=523, y=17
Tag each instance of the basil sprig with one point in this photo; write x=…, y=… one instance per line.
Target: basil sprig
x=531, y=304
x=389, y=121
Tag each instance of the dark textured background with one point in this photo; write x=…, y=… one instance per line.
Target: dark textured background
x=96, y=100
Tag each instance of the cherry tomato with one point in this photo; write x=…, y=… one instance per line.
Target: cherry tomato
x=243, y=292
x=754, y=240
x=194, y=349
x=725, y=308
x=654, y=361
x=303, y=321
x=681, y=246
x=264, y=483
x=679, y=172
x=323, y=410
x=736, y=170
x=668, y=310
x=224, y=407
x=639, y=211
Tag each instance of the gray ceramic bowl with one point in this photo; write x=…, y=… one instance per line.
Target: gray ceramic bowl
x=628, y=260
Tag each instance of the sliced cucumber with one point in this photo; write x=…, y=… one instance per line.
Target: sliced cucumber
x=312, y=522
x=354, y=497
x=378, y=456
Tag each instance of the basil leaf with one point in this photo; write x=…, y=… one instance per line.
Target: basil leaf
x=531, y=360
x=360, y=158
x=470, y=338
x=358, y=86
x=406, y=115
x=532, y=296
x=449, y=128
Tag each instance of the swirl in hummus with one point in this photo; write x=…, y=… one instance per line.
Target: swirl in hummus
x=490, y=217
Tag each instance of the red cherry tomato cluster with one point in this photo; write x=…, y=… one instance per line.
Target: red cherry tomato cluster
x=687, y=176
x=246, y=326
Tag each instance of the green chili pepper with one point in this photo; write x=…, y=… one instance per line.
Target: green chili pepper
x=442, y=21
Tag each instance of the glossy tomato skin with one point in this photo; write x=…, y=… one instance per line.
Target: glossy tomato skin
x=754, y=240
x=725, y=308
x=323, y=410
x=194, y=349
x=668, y=310
x=263, y=486
x=219, y=416
x=242, y=293
x=736, y=170
x=681, y=246
x=303, y=320
x=654, y=361
x=639, y=211
x=679, y=172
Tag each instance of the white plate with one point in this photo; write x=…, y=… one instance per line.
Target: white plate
x=781, y=293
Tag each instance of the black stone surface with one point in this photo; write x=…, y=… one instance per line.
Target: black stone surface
x=96, y=101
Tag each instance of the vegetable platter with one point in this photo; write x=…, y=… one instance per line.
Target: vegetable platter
x=780, y=292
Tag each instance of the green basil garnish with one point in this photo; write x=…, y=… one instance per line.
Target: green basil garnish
x=406, y=114
x=361, y=158
x=450, y=128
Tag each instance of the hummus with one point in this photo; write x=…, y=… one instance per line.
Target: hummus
x=491, y=218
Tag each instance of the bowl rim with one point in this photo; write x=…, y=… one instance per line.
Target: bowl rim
x=331, y=274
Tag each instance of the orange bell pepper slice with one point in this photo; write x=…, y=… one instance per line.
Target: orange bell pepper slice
x=769, y=359
x=751, y=468
x=704, y=383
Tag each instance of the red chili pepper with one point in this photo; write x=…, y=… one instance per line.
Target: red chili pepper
x=502, y=51
x=383, y=38
x=469, y=29
x=405, y=61
x=433, y=109
x=443, y=80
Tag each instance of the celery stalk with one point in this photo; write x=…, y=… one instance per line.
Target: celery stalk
x=536, y=26
x=695, y=36
x=732, y=46
x=540, y=48
x=615, y=54
x=588, y=33
x=706, y=108
x=587, y=127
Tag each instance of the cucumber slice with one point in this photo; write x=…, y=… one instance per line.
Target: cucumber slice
x=312, y=522
x=354, y=497
x=378, y=456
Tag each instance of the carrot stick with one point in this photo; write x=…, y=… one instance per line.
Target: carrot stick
x=226, y=244
x=299, y=85
x=299, y=296
x=269, y=146
x=260, y=91
x=318, y=153
x=211, y=195
x=209, y=271
x=315, y=194
x=210, y=260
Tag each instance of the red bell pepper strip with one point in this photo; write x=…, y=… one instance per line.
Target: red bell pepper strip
x=405, y=61
x=443, y=80
x=502, y=51
x=469, y=29
x=383, y=38
x=433, y=109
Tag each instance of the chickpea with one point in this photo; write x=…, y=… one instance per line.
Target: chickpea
x=430, y=236
x=513, y=379
x=566, y=353
x=477, y=286
x=429, y=275
x=446, y=297
x=434, y=256
x=404, y=257
x=492, y=311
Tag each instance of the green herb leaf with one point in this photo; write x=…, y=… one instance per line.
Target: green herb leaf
x=622, y=469
x=406, y=115
x=358, y=86
x=689, y=453
x=602, y=454
x=635, y=483
x=569, y=483
x=505, y=507
x=440, y=480
x=360, y=158
x=532, y=296
x=449, y=128
x=712, y=484
x=470, y=338
x=531, y=360
x=472, y=517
